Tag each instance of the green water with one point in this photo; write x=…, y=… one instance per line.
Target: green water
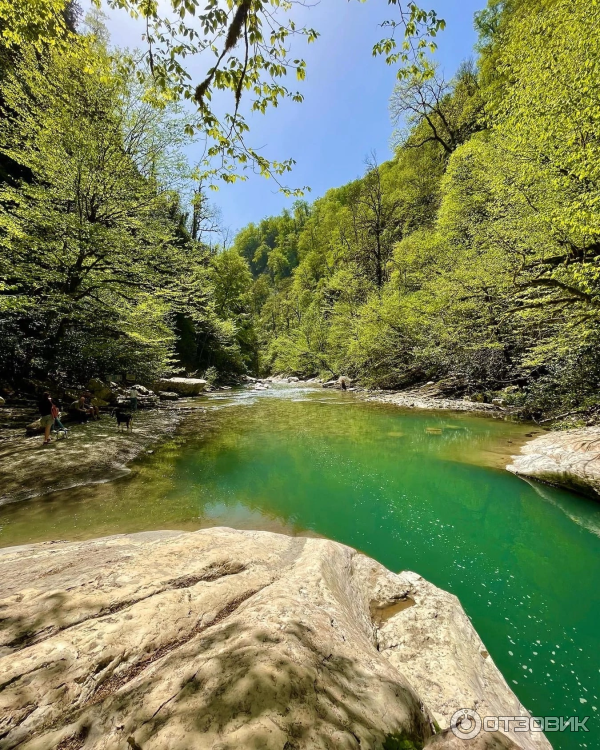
x=415, y=490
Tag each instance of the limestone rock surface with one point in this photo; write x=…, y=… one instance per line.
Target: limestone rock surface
x=568, y=459
x=182, y=386
x=94, y=452
x=102, y=390
x=168, y=396
x=228, y=639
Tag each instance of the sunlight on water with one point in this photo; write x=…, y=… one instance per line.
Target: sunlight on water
x=416, y=490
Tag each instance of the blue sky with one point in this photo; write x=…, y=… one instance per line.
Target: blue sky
x=344, y=115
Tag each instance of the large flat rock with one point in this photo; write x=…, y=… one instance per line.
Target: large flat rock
x=182, y=386
x=568, y=459
x=234, y=639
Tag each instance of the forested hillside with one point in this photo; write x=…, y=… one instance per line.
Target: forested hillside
x=110, y=261
x=473, y=255
x=106, y=249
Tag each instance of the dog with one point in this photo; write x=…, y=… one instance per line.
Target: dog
x=123, y=417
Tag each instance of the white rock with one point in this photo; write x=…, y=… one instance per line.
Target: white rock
x=182, y=386
x=568, y=459
x=233, y=639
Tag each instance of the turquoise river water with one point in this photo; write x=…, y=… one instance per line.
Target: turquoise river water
x=424, y=491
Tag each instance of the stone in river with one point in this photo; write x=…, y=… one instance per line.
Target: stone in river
x=182, y=386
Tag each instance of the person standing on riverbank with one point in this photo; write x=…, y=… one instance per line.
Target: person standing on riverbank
x=133, y=400
x=57, y=424
x=46, y=418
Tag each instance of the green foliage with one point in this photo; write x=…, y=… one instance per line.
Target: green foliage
x=86, y=238
x=211, y=375
x=246, y=50
x=402, y=741
x=98, y=271
x=474, y=255
x=102, y=267
x=36, y=22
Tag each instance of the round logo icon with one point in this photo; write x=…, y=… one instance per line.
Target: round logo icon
x=466, y=723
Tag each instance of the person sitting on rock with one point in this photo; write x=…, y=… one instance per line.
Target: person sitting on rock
x=91, y=403
x=46, y=418
x=79, y=410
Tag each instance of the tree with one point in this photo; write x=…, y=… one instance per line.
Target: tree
x=427, y=109
x=375, y=219
x=41, y=23
x=549, y=126
x=90, y=239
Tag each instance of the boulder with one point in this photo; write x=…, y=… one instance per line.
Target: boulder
x=2, y=401
x=182, y=386
x=142, y=390
x=168, y=396
x=100, y=403
x=330, y=384
x=235, y=639
x=147, y=402
x=101, y=390
x=568, y=459
x=35, y=428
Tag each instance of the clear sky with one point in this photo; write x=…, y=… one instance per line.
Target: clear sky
x=344, y=115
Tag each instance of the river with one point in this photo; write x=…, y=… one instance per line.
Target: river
x=423, y=491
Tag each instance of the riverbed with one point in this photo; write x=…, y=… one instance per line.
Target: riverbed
x=424, y=491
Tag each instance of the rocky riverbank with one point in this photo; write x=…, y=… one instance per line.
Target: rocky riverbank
x=427, y=396
x=229, y=639
x=569, y=459
x=93, y=452
x=418, y=399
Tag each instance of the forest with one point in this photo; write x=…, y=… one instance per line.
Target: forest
x=470, y=258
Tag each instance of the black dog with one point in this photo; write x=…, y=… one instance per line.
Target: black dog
x=123, y=417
